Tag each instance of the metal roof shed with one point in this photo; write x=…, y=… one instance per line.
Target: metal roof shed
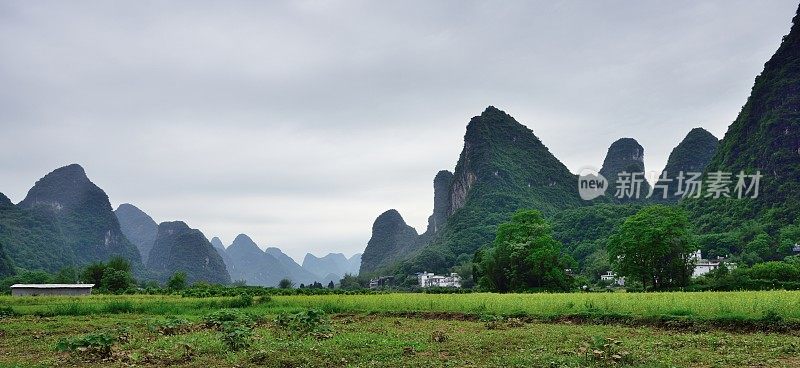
x=51, y=289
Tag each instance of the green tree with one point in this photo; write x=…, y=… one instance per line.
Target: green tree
x=117, y=281
x=285, y=284
x=524, y=256
x=654, y=246
x=119, y=264
x=114, y=276
x=93, y=273
x=177, y=281
x=331, y=285
x=67, y=275
x=350, y=282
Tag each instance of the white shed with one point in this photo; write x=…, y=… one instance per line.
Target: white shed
x=51, y=289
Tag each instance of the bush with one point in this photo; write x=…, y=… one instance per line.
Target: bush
x=218, y=318
x=177, y=281
x=243, y=301
x=171, y=326
x=96, y=345
x=236, y=335
x=311, y=322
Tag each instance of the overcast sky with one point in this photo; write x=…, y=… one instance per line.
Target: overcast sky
x=300, y=122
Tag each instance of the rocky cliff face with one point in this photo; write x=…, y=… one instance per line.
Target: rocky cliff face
x=391, y=239
x=83, y=215
x=765, y=137
x=138, y=227
x=441, y=201
x=693, y=154
x=178, y=248
x=625, y=155
x=503, y=167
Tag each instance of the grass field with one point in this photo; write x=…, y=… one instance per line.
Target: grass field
x=407, y=330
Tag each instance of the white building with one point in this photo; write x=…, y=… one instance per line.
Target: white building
x=704, y=266
x=612, y=278
x=51, y=289
x=427, y=279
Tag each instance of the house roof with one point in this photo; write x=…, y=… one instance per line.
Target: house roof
x=52, y=286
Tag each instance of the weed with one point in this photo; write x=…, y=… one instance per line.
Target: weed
x=171, y=326
x=217, y=319
x=242, y=301
x=260, y=358
x=604, y=352
x=439, y=336
x=515, y=322
x=95, y=345
x=236, y=336
x=311, y=322
x=6, y=312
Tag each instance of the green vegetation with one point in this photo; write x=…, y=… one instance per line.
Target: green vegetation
x=693, y=154
x=524, y=256
x=585, y=232
x=655, y=246
x=763, y=137
x=6, y=268
x=392, y=330
x=392, y=240
x=112, y=277
x=31, y=239
x=82, y=214
x=503, y=167
x=285, y=284
x=177, y=281
x=178, y=248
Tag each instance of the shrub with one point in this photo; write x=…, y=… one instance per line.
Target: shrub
x=236, y=335
x=6, y=311
x=218, y=318
x=91, y=345
x=171, y=326
x=242, y=301
x=311, y=322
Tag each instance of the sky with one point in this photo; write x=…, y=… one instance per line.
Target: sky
x=299, y=122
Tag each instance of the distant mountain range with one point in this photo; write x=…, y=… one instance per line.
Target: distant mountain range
x=504, y=167
x=67, y=221
x=246, y=261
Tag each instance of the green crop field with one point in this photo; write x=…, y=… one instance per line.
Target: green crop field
x=405, y=330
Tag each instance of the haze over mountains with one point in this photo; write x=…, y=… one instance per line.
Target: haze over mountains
x=505, y=167
x=67, y=221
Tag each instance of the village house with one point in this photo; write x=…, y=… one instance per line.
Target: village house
x=612, y=278
x=704, y=266
x=428, y=279
x=51, y=289
x=381, y=282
